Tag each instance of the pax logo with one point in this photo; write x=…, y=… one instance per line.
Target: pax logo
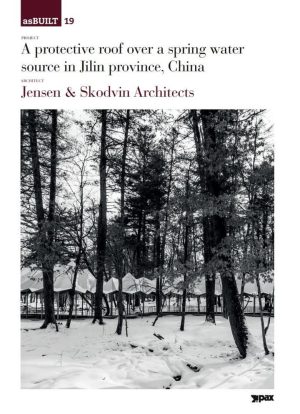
x=260, y=398
x=40, y=12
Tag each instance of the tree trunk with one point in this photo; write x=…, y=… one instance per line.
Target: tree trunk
x=52, y=196
x=48, y=299
x=102, y=225
x=186, y=248
x=50, y=258
x=210, y=279
x=245, y=249
x=183, y=307
x=80, y=244
x=214, y=133
x=210, y=282
x=270, y=312
x=157, y=263
x=209, y=276
x=235, y=313
x=72, y=291
x=45, y=253
x=243, y=282
x=122, y=208
x=263, y=332
x=120, y=308
x=170, y=181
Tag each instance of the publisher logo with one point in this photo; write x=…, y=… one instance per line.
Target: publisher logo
x=260, y=398
x=40, y=12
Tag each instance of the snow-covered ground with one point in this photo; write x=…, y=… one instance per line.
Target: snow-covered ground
x=93, y=356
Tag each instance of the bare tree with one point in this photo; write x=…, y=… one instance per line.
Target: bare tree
x=45, y=225
x=102, y=223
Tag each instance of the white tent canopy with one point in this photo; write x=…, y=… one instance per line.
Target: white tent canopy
x=32, y=281
x=250, y=288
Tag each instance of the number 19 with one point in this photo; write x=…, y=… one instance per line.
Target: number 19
x=69, y=20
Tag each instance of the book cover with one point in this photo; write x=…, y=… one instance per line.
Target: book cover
x=142, y=250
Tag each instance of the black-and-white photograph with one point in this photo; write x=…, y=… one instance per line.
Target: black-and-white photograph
x=147, y=249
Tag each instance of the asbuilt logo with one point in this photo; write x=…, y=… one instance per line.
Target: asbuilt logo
x=260, y=398
x=40, y=12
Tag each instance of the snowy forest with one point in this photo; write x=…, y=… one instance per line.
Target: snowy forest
x=180, y=203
